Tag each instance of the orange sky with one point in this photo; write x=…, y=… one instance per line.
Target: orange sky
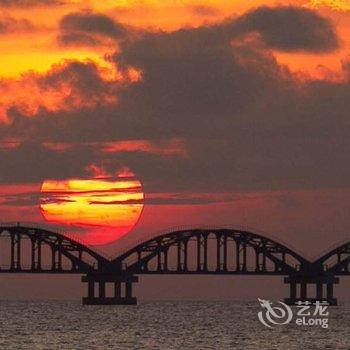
x=31, y=53
x=31, y=47
x=34, y=47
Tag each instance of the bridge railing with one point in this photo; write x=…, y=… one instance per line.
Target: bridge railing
x=45, y=267
x=28, y=267
x=174, y=267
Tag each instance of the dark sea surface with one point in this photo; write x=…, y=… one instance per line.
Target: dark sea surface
x=160, y=325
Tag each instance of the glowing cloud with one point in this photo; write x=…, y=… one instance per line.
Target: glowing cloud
x=342, y=5
x=63, y=88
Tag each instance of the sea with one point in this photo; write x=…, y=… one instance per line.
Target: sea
x=184, y=325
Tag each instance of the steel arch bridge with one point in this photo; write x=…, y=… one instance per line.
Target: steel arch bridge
x=37, y=250
x=211, y=251
x=336, y=261
x=234, y=252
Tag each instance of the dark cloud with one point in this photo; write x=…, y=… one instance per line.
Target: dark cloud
x=20, y=199
x=87, y=28
x=3, y=27
x=178, y=199
x=83, y=77
x=248, y=122
x=30, y=3
x=285, y=28
x=10, y=25
x=68, y=86
x=78, y=39
x=290, y=29
x=30, y=163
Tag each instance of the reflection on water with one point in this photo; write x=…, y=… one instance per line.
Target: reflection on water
x=160, y=325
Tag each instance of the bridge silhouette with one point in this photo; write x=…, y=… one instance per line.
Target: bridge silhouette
x=216, y=251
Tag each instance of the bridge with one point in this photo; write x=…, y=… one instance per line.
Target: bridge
x=215, y=251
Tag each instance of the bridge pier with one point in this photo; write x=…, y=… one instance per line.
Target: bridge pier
x=122, y=289
x=322, y=294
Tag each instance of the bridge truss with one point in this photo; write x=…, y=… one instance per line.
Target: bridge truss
x=217, y=251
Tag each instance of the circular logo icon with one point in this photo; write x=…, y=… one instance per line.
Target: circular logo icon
x=274, y=315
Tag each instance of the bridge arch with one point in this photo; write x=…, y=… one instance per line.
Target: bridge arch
x=233, y=251
x=250, y=253
x=336, y=261
x=44, y=245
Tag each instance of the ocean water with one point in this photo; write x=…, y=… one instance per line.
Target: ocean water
x=160, y=325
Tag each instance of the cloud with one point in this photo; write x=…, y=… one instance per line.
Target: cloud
x=20, y=199
x=181, y=199
x=19, y=195
x=9, y=143
x=172, y=147
x=248, y=122
x=290, y=29
x=89, y=28
x=340, y=5
x=11, y=25
x=69, y=86
x=167, y=148
x=57, y=146
x=30, y=3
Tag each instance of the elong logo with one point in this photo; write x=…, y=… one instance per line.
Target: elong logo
x=283, y=314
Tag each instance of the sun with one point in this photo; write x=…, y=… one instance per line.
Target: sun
x=103, y=208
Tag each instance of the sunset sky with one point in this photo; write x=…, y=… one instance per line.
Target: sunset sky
x=125, y=117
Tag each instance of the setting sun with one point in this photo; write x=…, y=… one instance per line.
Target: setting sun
x=108, y=207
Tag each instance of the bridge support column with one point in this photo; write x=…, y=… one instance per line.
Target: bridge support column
x=117, y=290
x=102, y=289
x=319, y=291
x=330, y=290
x=91, y=289
x=303, y=281
x=293, y=290
x=128, y=290
x=303, y=290
x=118, y=298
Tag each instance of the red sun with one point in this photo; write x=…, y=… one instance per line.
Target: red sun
x=105, y=208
